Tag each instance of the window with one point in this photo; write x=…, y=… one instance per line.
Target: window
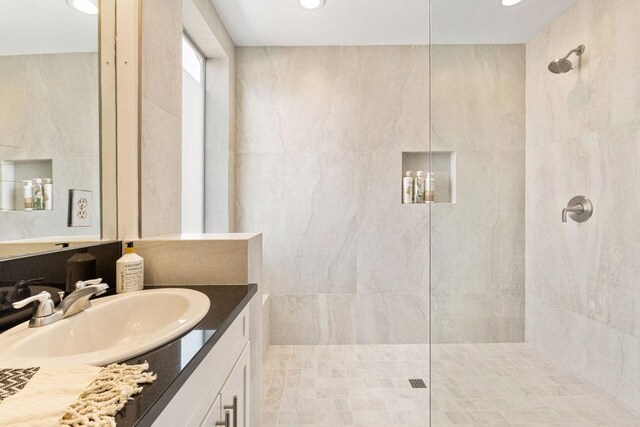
x=193, y=116
x=192, y=61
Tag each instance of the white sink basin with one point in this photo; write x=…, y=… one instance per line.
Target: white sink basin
x=115, y=328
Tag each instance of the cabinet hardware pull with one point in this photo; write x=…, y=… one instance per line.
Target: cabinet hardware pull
x=227, y=420
x=234, y=407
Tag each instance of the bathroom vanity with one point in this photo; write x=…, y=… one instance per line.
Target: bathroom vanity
x=203, y=376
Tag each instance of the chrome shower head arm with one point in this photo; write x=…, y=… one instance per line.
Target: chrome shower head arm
x=578, y=51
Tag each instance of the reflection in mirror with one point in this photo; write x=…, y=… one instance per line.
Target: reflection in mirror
x=49, y=120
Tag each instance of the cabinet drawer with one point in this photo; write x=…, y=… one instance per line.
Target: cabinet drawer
x=197, y=395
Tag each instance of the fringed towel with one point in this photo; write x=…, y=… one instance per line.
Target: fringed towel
x=70, y=396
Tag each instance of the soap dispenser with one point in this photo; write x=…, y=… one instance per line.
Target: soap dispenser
x=81, y=266
x=129, y=271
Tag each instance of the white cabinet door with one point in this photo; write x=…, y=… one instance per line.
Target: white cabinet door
x=214, y=415
x=192, y=404
x=236, y=392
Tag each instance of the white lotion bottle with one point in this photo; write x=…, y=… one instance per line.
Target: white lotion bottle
x=407, y=188
x=129, y=271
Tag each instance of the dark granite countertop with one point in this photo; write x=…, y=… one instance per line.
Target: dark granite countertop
x=175, y=362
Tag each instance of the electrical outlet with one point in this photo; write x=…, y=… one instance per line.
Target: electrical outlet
x=80, y=208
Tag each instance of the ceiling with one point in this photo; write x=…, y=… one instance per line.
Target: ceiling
x=45, y=26
x=385, y=22
x=484, y=22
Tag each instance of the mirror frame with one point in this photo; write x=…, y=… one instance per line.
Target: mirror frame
x=108, y=120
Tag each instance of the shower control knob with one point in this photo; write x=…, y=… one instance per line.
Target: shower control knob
x=578, y=209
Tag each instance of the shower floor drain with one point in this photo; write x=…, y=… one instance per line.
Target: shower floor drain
x=417, y=383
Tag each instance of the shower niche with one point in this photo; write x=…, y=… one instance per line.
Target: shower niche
x=442, y=166
x=12, y=176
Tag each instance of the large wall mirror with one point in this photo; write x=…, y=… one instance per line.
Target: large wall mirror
x=57, y=138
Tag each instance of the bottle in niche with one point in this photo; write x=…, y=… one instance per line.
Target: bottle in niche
x=48, y=194
x=431, y=187
x=27, y=193
x=419, y=188
x=407, y=188
x=38, y=194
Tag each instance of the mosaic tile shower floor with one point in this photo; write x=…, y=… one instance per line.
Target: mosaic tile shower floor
x=473, y=384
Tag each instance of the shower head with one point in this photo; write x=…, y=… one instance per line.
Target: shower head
x=563, y=65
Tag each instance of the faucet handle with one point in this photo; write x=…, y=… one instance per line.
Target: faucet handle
x=44, y=304
x=578, y=209
x=30, y=281
x=21, y=289
x=101, y=287
x=81, y=284
x=97, y=284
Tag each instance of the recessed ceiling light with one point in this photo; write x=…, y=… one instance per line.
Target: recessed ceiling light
x=507, y=3
x=311, y=4
x=90, y=7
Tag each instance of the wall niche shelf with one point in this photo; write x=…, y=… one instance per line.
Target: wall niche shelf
x=12, y=173
x=443, y=166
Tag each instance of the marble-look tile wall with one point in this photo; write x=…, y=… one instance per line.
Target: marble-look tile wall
x=161, y=117
x=161, y=114
x=50, y=110
x=320, y=135
x=583, y=137
x=477, y=249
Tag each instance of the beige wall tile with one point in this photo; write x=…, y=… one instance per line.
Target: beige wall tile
x=320, y=136
x=583, y=134
x=191, y=262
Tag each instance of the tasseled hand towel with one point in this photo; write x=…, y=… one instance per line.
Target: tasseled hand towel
x=69, y=396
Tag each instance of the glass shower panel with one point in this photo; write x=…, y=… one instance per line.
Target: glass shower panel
x=333, y=112
x=479, y=362
x=530, y=291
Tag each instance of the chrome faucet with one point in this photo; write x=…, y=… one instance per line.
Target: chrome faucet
x=45, y=312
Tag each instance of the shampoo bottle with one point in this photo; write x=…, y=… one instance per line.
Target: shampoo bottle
x=407, y=188
x=419, y=190
x=431, y=184
x=129, y=271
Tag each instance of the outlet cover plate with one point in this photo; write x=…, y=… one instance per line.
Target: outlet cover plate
x=80, y=208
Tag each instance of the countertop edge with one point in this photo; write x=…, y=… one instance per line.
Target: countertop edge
x=158, y=406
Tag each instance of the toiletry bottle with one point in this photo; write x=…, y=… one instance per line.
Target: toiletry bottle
x=38, y=194
x=419, y=188
x=129, y=271
x=48, y=194
x=407, y=188
x=81, y=266
x=27, y=192
x=431, y=178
